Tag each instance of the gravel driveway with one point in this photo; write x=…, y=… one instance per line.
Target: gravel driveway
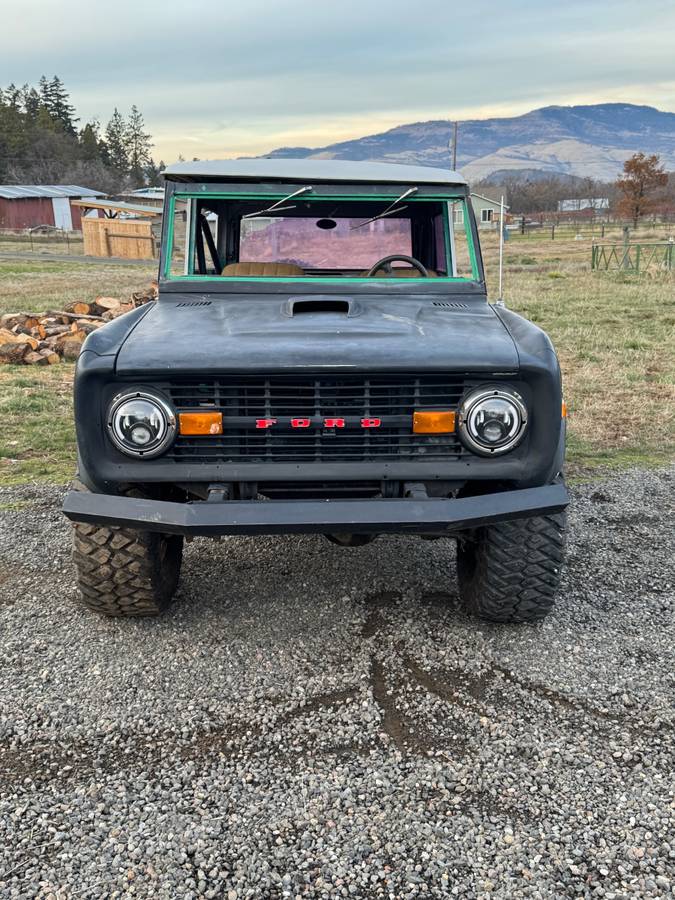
x=312, y=721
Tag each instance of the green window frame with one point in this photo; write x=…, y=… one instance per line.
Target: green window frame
x=220, y=279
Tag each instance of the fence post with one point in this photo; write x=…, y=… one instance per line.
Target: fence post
x=552, y=232
x=638, y=248
x=593, y=255
x=626, y=236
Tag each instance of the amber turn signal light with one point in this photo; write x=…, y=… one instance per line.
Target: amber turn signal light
x=564, y=410
x=438, y=422
x=200, y=423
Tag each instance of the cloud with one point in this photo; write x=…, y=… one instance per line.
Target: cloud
x=237, y=78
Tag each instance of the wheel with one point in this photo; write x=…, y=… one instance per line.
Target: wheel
x=510, y=571
x=122, y=572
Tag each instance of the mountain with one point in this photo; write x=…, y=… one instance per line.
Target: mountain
x=586, y=141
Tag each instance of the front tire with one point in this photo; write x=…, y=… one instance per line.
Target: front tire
x=510, y=571
x=123, y=572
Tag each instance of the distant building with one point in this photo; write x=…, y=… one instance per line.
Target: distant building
x=149, y=196
x=485, y=210
x=30, y=205
x=148, y=193
x=578, y=204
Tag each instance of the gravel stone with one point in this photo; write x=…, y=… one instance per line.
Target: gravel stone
x=317, y=721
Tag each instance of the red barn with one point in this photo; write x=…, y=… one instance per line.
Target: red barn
x=28, y=205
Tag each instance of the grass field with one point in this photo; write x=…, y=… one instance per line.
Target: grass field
x=40, y=243
x=614, y=332
x=615, y=336
x=34, y=285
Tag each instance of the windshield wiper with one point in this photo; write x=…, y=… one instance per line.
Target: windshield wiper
x=277, y=207
x=390, y=210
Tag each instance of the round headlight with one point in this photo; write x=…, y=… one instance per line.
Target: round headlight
x=492, y=421
x=141, y=424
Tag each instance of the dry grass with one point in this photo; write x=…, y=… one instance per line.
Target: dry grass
x=615, y=334
x=34, y=286
x=41, y=243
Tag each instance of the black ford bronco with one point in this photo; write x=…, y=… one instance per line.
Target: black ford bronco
x=322, y=358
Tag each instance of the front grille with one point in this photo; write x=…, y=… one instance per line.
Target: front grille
x=243, y=400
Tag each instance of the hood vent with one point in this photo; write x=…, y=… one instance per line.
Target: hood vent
x=341, y=306
x=194, y=303
x=449, y=305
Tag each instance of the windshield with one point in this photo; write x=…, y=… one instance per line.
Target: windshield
x=342, y=246
x=301, y=234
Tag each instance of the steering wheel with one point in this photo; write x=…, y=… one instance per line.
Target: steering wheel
x=386, y=261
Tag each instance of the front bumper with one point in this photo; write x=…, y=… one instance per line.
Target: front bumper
x=208, y=517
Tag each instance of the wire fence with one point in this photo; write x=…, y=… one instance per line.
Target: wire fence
x=588, y=230
x=42, y=239
x=635, y=257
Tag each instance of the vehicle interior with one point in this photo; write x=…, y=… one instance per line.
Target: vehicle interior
x=298, y=237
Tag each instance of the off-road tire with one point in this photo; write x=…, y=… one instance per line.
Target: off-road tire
x=510, y=571
x=123, y=572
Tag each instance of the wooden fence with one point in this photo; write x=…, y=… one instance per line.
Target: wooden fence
x=125, y=238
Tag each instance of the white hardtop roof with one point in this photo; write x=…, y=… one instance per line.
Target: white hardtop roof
x=309, y=170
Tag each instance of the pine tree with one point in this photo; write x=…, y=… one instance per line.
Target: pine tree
x=89, y=141
x=44, y=90
x=116, y=144
x=39, y=143
x=14, y=144
x=138, y=146
x=13, y=96
x=31, y=102
x=57, y=101
x=45, y=115
x=153, y=173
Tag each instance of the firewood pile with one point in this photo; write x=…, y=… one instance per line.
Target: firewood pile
x=43, y=339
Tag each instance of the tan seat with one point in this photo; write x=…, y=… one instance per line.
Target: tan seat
x=265, y=269
x=400, y=272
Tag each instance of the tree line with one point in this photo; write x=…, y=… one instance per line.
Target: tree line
x=42, y=141
x=643, y=188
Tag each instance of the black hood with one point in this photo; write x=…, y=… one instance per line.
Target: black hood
x=202, y=334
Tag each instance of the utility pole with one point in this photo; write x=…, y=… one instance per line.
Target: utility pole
x=454, y=146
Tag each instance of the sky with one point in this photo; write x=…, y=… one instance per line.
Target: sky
x=221, y=78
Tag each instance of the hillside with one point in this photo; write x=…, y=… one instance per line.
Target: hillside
x=575, y=140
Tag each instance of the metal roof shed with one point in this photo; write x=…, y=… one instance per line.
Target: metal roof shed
x=29, y=205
